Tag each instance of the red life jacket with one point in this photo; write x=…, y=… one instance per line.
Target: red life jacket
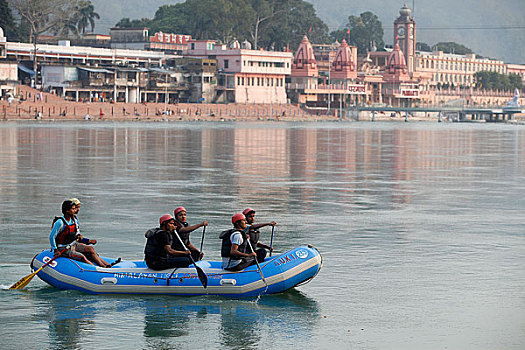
x=68, y=233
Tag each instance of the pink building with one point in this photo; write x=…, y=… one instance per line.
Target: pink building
x=344, y=66
x=342, y=87
x=245, y=75
x=398, y=87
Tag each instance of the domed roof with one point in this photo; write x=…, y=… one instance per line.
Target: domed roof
x=304, y=63
x=343, y=56
x=305, y=53
x=396, y=59
x=405, y=11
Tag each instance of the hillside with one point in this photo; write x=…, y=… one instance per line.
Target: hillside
x=443, y=20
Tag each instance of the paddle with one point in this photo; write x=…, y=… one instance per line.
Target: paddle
x=25, y=280
x=258, y=266
x=200, y=273
x=202, y=240
x=271, y=241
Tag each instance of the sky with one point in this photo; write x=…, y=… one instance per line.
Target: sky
x=491, y=28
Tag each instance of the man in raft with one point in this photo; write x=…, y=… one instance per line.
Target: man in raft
x=64, y=237
x=252, y=229
x=235, y=251
x=161, y=250
x=184, y=229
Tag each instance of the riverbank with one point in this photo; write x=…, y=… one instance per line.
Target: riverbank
x=45, y=106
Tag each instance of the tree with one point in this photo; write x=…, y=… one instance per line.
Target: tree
x=85, y=15
x=7, y=22
x=423, y=47
x=295, y=19
x=267, y=23
x=452, y=47
x=487, y=80
x=365, y=30
x=136, y=23
x=42, y=15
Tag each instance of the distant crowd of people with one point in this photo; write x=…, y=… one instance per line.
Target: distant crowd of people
x=168, y=245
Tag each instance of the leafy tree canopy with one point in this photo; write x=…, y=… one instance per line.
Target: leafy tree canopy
x=452, y=47
x=423, y=47
x=488, y=80
x=266, y=23
x=365, y=31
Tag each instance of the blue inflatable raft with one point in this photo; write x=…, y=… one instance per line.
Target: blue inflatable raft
x=281, y=272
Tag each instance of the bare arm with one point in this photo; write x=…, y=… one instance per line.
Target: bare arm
x=192, y=227
x=234, y=252
x=173, y=252
x=258, y=226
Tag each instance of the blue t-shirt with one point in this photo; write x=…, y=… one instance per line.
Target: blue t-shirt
x=57, y=228
x=229, y=262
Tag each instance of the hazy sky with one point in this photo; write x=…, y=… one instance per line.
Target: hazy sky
x=492, y=28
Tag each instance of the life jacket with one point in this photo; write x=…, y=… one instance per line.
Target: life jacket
x=227, y=243
x=254, y=236
x=184, y=236
x=68, y=234
x=153, y=248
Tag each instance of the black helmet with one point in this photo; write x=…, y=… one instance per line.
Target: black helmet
x=66, y=205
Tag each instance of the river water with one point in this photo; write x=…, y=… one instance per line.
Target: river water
x=421, y=227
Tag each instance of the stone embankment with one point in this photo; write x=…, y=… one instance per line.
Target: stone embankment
x=33, y=104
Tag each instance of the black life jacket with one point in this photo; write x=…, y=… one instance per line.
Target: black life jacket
x=227, y=243
x=254, y=237
x=153, y=249
x=68, y=234
x=184, y=236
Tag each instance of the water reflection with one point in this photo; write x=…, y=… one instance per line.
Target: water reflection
x=234, y=159
x=69, y=315
x=74, y=317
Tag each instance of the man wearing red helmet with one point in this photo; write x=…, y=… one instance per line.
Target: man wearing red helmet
x=159, y=252
x=253, y=232
x=235, y=253
x=184, y=230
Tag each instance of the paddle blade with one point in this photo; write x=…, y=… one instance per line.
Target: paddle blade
x=23, y=282
x=202, y=276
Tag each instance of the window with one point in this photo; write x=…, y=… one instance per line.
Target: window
x=193, y=46
x=226, y=64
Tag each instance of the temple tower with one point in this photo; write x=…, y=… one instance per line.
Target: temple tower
x=304, y=63
x=344, y=66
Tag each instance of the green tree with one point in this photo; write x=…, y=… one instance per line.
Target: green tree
x=85, y=15
x=267, y=23
x=43, y=15
x=423, y=47
x=136, y=23
x=487, y=80
x=7, y=22
x=452, y=47
x=365, y=30
x=295, y=19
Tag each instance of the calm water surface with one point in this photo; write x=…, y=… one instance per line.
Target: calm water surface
x=421, y=227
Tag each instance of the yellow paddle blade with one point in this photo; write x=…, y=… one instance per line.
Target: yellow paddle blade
x=24, y=281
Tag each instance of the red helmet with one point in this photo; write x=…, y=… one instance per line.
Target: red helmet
x=178, y=210
x=237, y=217
x=165, y=217
x=247, y=211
